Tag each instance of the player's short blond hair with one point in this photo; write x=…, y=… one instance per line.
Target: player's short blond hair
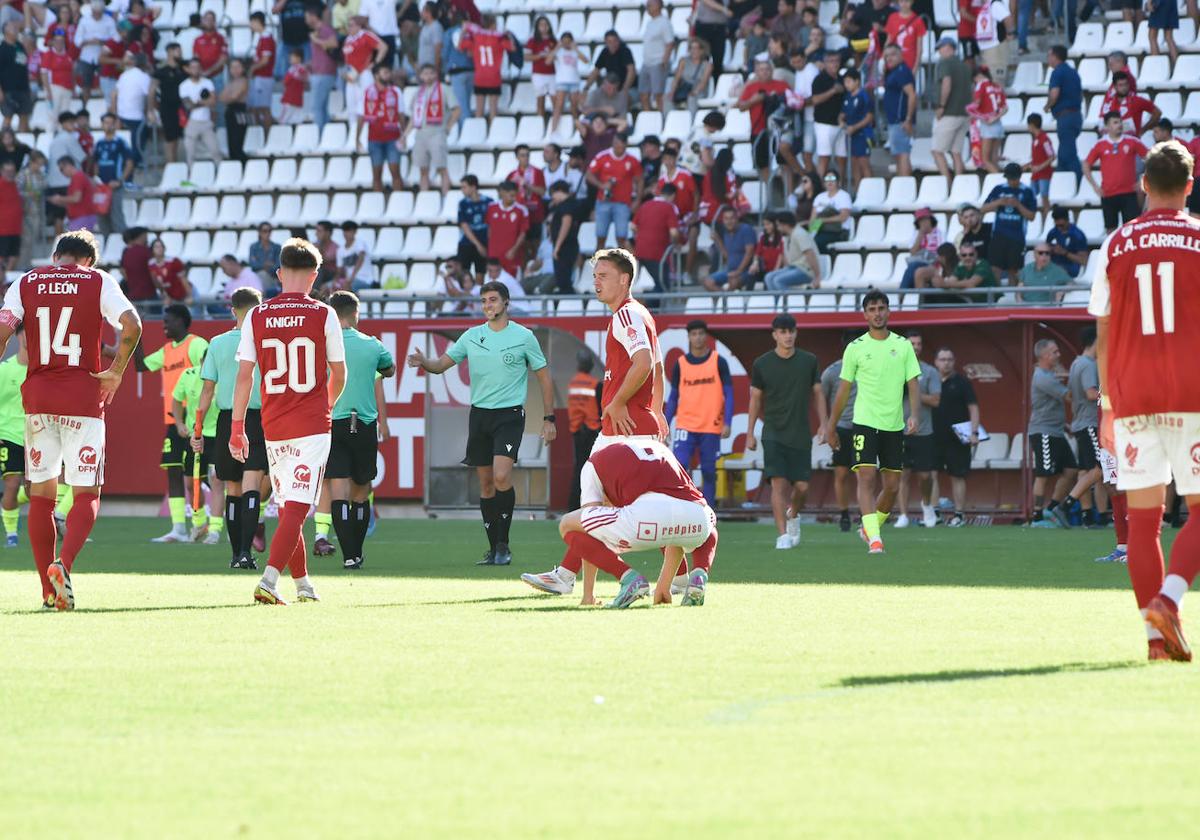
x=299, y=254
x=621, y=259
x=1169, y=165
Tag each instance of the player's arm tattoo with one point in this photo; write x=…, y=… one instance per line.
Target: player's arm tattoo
x=129, y=342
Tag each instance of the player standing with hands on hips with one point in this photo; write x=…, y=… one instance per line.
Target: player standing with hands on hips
x=1146, y=298
x=882, y=364
x=65, y=393
x=500, y=354
x=296, y=342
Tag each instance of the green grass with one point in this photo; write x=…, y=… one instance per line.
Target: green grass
x=986, y=682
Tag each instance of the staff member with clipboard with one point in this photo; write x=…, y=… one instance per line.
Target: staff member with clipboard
x=957, y=405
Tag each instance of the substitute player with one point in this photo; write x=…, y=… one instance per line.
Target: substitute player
x=354, y=448
x=1145, y=299
x=920, y=453
x=636, y=497
x=500, y=354
x=882, y=364
x=64, y=395
x=243, y=479
x=701, y=404
x=12, y=438
x=182, y=350
x=296, y=342
x=1083, y=383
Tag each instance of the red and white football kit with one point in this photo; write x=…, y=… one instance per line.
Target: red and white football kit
x=526, y=178
x=1134, y=110
x=630, y=331
x=1147, y=283
x=64, y=308
x=382, y=107
x=506, y=227
x=487, y=49
x=209, y=48
x=1118, y=164
x=685, y=189
x=264, y=51
x=623, y=172
x=637, y=497
x=292, y=338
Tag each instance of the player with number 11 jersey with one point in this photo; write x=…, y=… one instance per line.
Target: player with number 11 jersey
x=296, y=343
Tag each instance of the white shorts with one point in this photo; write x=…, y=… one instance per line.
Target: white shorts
x=543, y=84
x=355, y=91
x=652, y=521
x=54, y=442
x=608, y=440
x=1153, y=448
x=831, y=140
x=1108, y=467
x=297, y=467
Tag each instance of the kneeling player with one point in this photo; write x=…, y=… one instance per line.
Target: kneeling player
x=297, y=344
x=64, y=394
x=637, y=497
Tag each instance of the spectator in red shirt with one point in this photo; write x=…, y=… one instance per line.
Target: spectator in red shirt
x=968, y=10
x=487, y=47
x=761, y=92
x=362, y=49
x=262, y=70
x=58, y=73
x=1132, y=108
x=655, y=227
x=384, y=116
x=11, y=216
x=212, y=51
x=683, y=181
x=295, y=80
x=617, y=176
x=507, y=223
x=905, y=29
x=768, y=253
x=1042, y=165
x=1117, y=155
x=531, y=191
x=540, y=50
x=135, y=265
x=81, y=213
x=168, y=275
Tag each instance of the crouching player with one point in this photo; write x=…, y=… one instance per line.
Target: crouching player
x=296, y=342
x=636, y=497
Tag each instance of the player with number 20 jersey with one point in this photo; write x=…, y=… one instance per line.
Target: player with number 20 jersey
x=1146, y=295
x=296, y=342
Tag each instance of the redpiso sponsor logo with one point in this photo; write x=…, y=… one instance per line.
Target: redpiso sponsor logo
x=1131, y=454
x=35, y=457
x=87, y=459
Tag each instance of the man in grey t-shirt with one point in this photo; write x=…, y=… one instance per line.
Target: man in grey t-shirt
x=920, y=454
x=1052, y=456
x=1083, y=382
x=843, y=456
x=955, y=90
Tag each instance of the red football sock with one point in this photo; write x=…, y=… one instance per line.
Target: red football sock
x=1120, y=523
x=596, y=553
x=43, y=539
x=287, y=532
x=1145, y=553
x=299, y=562
x=79, y=526
x=702, y=557
x=1185, y=553
x=572, y=562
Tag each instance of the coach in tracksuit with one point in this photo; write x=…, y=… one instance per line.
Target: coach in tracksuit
x=701, y=405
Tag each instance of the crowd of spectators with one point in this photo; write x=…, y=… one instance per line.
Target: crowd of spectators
x=819, y=98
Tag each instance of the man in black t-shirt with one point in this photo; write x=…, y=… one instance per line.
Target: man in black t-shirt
x=167, y=79
x=562, y=229
x=827, y=95
x=14, y=79
x=958, y=405
x=615, y=59
x=975, y=231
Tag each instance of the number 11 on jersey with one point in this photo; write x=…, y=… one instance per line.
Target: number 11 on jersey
x=1166, y=284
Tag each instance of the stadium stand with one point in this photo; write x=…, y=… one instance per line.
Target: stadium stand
x=296, y=175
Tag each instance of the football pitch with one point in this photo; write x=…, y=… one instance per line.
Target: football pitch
x=974, y=682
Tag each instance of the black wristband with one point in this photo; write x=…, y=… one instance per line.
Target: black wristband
x=550, y=418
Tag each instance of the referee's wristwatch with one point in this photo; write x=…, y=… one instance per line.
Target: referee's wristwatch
x=550, y=418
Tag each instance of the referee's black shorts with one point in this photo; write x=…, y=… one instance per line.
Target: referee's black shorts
x=492, y=432
x=229, y=468
x=353, y=450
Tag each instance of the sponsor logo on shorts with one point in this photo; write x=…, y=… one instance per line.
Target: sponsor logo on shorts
x=647, y=531
x=302, y=476
x=680, y=530
x=286, y=450
x=35, y=457
x=1196, y=459
x=87, y=459
x=1131, y=455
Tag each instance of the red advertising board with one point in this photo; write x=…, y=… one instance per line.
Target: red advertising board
x=993, y=346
